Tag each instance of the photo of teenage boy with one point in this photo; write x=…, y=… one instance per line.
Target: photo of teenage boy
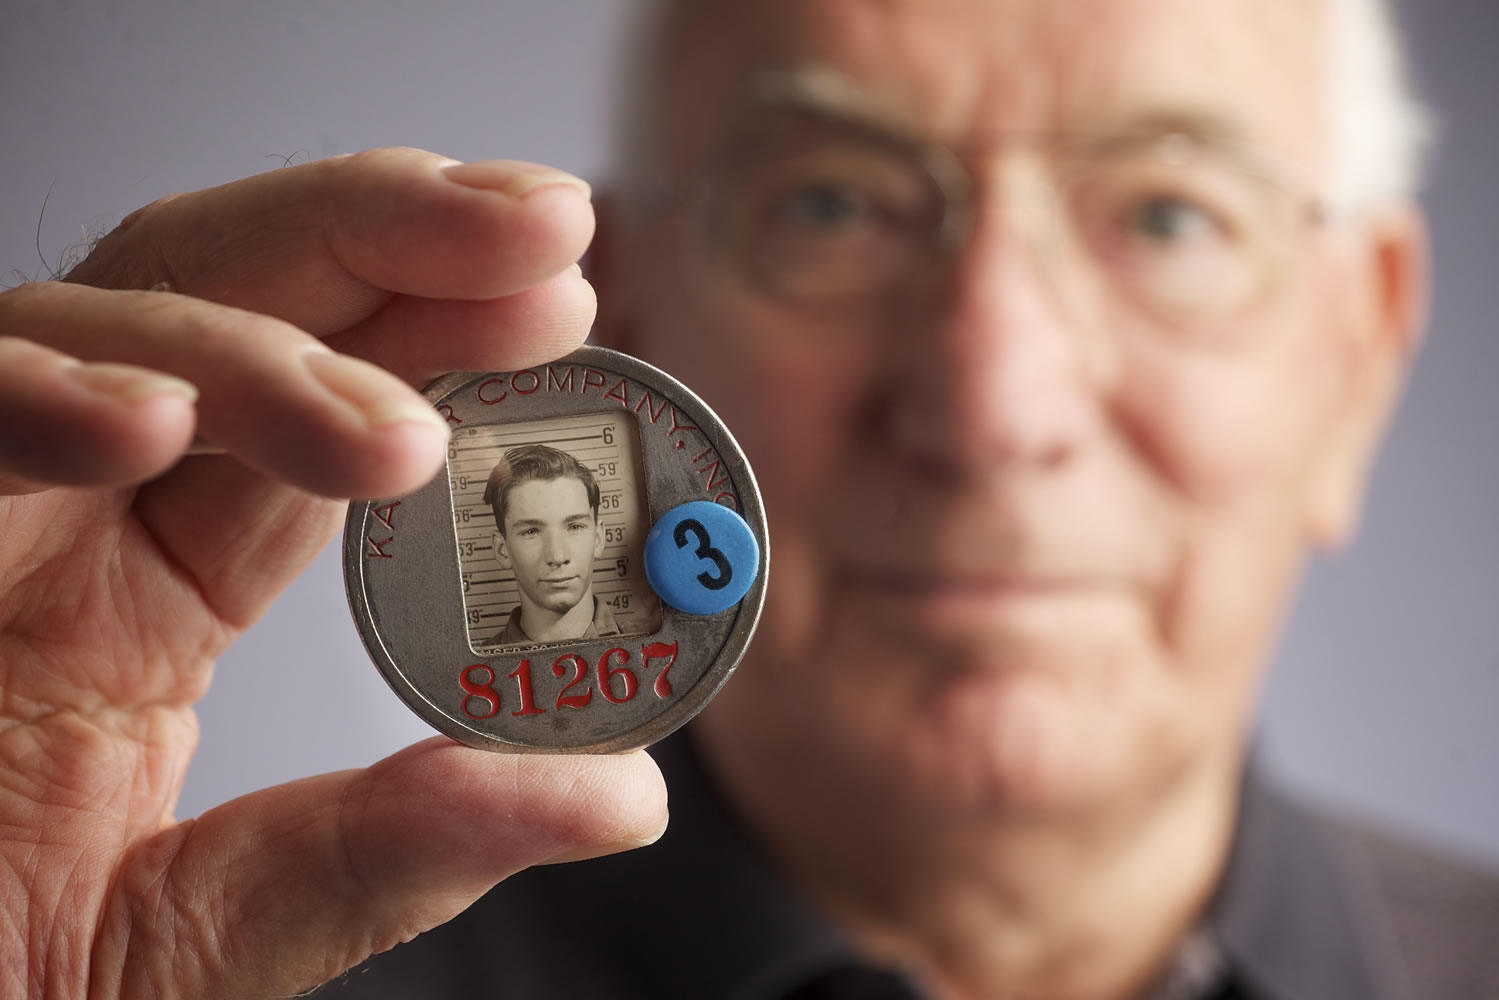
x=547, y=531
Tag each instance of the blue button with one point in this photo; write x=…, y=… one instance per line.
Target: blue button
x=701, y=558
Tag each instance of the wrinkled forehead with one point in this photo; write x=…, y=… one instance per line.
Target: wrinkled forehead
x=973, y=71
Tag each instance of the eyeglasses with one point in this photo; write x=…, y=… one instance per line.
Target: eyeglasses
x=829, y=215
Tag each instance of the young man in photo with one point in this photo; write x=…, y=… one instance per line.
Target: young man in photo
x=547, y=531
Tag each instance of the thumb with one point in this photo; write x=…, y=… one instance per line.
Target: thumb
x=283, y=889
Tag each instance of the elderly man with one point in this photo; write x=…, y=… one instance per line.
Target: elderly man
x=1057, y=332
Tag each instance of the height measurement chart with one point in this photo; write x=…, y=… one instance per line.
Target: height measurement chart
x=586, y=574
x=608, y=445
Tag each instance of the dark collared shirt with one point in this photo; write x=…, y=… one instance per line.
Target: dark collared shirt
x=703, y=915
x=603, y=625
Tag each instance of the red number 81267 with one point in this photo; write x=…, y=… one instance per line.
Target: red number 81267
x=617, y=682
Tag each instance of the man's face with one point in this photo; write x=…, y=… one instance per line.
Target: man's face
x=550, y=540
x=1035, y=506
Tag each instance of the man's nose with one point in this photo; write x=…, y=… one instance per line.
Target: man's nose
x=1001, y=364
x=555, y=552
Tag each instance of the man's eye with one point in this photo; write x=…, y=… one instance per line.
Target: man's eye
x=1167, y=220
x=824, y=206
x=577, y=526
x=528, y=532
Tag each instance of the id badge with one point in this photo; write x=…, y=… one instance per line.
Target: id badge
x=585, y=576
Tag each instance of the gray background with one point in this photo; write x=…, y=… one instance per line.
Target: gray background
x=1383, y=696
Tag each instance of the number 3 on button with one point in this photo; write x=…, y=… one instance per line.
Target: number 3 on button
x=701, y=558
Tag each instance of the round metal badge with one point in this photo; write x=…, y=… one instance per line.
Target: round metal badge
x=584, y=578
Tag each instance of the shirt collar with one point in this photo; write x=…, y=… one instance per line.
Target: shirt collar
x=1293, y=917
x=602, y=626
x=1289, y=921
x=753, y=938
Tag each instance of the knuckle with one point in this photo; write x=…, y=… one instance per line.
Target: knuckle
x=159, y=926
x=386, y=159
x=122, y=258
x=28, y=293
x=402, y=154
x=236, y=336
x=145, y=212
x=353, y=807
x=27, y=308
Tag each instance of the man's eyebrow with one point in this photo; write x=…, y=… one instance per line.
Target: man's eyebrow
x=1184, y=132
x=538, y=522
x=1203, y=128
x=826, y=93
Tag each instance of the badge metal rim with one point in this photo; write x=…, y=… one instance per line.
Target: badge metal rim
x=730, y=653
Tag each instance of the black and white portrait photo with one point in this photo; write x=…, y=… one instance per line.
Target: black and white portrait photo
x=549, y=520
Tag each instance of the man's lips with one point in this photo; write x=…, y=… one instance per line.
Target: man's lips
x=924, y=583
x=557, y=581
x=983, y=566
x=969, y=600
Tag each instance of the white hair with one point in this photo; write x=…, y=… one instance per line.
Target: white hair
x=1380, y=131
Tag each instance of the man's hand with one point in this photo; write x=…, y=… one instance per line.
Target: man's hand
x=239, y=314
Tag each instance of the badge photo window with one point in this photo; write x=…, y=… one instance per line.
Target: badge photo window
x=563, y=563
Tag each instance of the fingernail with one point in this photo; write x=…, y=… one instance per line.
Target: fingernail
x=130, y=384
x=576, y=268
x=513, y=178
x=587, y=852
x=379, y=396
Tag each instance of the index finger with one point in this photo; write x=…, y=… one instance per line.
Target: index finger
x=323, y=245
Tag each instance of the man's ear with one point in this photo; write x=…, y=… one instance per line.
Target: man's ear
x=598, y=536
x=1385, y=319
x=601, y=267
x=501, y=552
